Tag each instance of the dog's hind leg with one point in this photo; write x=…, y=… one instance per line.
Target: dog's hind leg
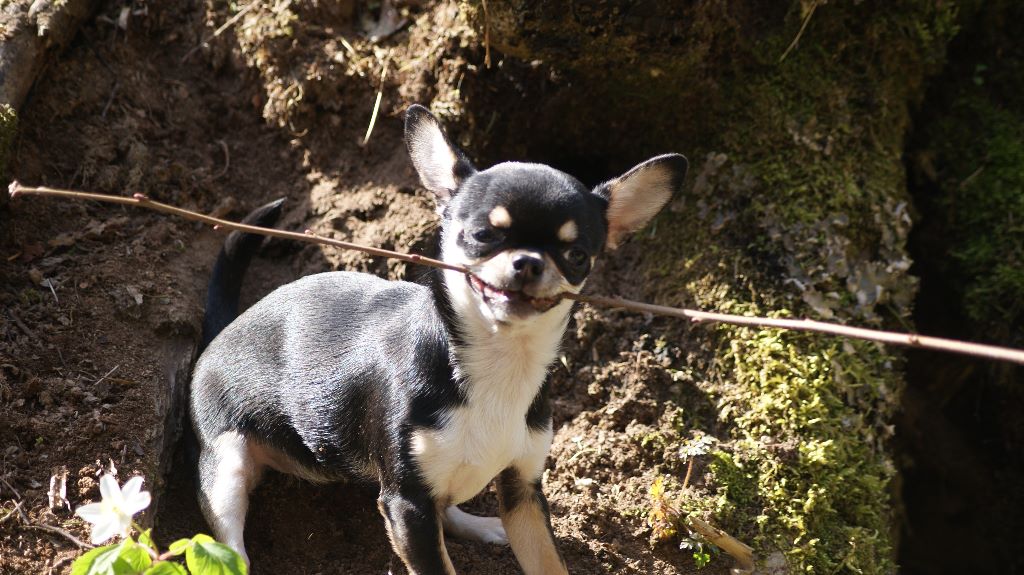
x=228, y=471
x=458, y=523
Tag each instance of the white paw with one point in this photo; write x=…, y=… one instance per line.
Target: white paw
x=458, y=523
x=490, y=530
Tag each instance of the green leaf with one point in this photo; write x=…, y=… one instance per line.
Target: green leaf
x=146, y=538
x=125, y=558
x=165, y=568
x=95, y=561
x=207, y=557
x=135, y=555
x=179, y=546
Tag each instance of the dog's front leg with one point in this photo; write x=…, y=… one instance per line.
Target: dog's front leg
x=527, y=520
x=414, y=526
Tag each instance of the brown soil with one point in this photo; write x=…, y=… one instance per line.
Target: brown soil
x=100, y=303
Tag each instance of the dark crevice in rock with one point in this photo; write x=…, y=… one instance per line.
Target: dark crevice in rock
x=960, y=438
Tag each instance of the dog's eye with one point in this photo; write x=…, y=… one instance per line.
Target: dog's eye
x=486, y=236
x=576, y=256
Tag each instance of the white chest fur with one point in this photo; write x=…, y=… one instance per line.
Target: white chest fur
x=504, y=368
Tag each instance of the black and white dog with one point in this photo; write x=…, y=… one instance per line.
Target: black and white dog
x=431, y=390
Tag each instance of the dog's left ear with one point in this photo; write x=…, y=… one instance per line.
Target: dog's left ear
x=636, y=196
x=440, y=165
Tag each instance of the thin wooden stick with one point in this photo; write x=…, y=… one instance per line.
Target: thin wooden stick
x=380, y=95
x=890, y=337
x=140, y=200
x=51, y=529
x=809, y=325
x=737, y=549
x=62, y=532
x=803, y=27
x=487, y=37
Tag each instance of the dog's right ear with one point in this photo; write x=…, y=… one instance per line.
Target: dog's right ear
x=636, y=196
x=440, y=165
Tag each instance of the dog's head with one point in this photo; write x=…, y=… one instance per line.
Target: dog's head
x=529, y=232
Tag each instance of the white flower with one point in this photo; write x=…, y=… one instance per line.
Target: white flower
x=113, y=515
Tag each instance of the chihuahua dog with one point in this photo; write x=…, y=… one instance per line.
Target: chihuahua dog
x=431, y=390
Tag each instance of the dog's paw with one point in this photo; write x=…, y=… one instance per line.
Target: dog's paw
x=490, y=530
x=458, y=523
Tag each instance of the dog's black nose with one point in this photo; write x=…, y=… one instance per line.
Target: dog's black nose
x=528, y=268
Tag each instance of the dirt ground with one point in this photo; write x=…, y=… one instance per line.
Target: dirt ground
x=100, y=304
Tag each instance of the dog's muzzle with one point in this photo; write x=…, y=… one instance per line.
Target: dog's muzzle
x=513, y=298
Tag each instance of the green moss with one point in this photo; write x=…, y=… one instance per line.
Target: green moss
x=736, y=482
x=802, y=469
x=804, y=209
x=808, y=415
x=797, y=202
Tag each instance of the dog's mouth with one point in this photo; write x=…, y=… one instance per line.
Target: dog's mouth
x=492, y=295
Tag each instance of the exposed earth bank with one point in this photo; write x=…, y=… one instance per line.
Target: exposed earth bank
x=801, y=125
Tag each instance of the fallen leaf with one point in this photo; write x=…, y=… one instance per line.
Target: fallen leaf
x=134, y=293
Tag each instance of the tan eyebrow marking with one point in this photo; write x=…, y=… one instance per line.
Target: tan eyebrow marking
x=500, y=218
x=568, y=232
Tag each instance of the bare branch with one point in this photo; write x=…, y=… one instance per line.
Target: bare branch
x=890, y=337
x=809, y=325
x=62, y=532
x=27, y=522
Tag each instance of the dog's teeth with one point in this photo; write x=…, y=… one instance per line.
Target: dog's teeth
x=496, y=293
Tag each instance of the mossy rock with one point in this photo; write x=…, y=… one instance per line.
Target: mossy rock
x=794, y=120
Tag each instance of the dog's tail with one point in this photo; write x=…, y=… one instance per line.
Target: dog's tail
x=226, y=280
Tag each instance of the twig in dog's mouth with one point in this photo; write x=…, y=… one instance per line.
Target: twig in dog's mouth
x=493, y=294
x=807, y=325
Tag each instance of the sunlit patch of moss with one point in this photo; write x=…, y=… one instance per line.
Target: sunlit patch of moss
x=809, y=417
x=805, y=471
x=736, y=482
